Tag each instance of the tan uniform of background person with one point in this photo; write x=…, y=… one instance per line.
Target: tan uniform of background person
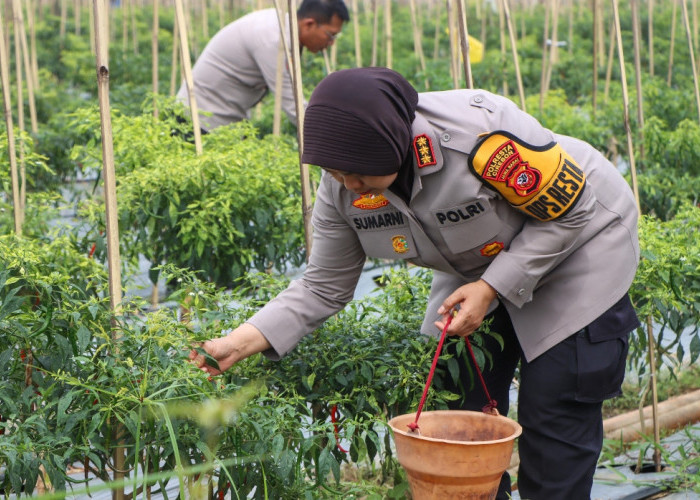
x=238, y=67
x=535, y=228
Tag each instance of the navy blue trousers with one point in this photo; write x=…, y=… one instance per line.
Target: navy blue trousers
x=559, y=406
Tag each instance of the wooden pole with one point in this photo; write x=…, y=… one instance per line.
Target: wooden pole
x=651, y=35
x=277, y=115
x=64, y=19
x=22, y=35
x=673, y=43
x=187, y=69
x=692, y=55
x=306, y=199
x=418, y=41
x=454, y=42
x=31, y=5
x=596, y=36
x=545, y=52
x=514, y=50
x=76, y=16
x=636, y=30
x=17, y=210
x=502, y=39
x=110, y=194
x=356, y=32
x=464, y=43
x=611, y=52
x=436, y=39
x=554, y=49
x=375, y=31
x=175, y=61
x=154, y=56
x=389, y=37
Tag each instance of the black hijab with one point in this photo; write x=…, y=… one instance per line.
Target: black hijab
x=359, y=120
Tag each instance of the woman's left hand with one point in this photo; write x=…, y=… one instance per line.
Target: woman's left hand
x=474, y=300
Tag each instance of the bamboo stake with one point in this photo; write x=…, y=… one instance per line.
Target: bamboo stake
x=282, y=52
x=570, y=44
x=514, y=50
x=306, y=199
x=76, y=16
x=418, y=41
x=356, y=32
x=32, y=43
x=187, y=69
x=611, y=51
x=64, y=19
x=464, y=42
x=110, y=193
x=388, y=34
x=502, y=38
x=22, y=34
x=134, y=34
x=554, y=50
x=375, y=30
x=125, y=25
x=175, y=63
x=601, y=37
x=636, y=29
x=673, y=42
x=277, y=116
x=596, y=36
x=651, y=36
x=545, y=38
x=692, y=55
x=454, y=51
x=18, y=213
x=630, y=147
x=222, y=17
x=154, y=56
x=436, y=40
x=205, y=19
x=20, y=116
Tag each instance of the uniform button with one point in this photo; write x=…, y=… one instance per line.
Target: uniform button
x=446, y=137
x=478, y=99
x=521, y=292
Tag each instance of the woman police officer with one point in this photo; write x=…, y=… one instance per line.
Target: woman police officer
x=533, y=229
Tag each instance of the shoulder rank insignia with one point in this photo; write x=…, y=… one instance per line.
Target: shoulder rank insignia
x=423, y=147
x=370, y=202
x=544, y=182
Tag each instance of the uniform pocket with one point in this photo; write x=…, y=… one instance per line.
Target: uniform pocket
x=601, y=367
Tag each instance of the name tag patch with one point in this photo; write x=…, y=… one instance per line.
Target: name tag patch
x=379, y=221
x=544, y=182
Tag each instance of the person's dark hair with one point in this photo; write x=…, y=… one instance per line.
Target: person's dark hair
x=323, y=10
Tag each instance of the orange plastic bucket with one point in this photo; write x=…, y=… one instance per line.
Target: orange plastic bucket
x=454, y=454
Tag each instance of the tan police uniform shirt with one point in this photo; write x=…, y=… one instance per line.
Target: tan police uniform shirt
x=555, y=267
x=237, y=69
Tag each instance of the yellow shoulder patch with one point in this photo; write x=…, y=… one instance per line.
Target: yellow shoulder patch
x=544, y=182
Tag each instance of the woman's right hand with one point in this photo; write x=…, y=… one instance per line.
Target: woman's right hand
x=240, y=343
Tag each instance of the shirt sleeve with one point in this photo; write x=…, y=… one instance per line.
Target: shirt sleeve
x=328, y=283
x=265, y=55
x=547, y=183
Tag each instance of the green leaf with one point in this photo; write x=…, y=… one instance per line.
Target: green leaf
x=208, y=358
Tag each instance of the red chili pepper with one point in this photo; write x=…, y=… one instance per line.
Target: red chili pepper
x=334, y=419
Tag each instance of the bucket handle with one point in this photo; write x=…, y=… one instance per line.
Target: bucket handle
x=490, y=407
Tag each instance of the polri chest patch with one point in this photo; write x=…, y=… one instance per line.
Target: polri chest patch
x=544, y=182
